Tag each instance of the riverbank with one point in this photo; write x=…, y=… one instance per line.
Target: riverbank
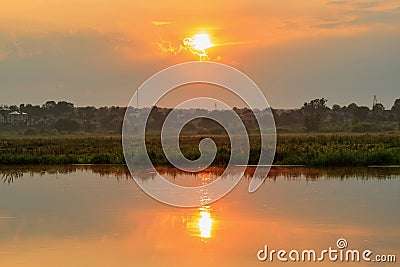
x=339, y=149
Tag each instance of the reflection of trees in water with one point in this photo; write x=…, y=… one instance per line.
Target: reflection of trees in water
x=9, y=174
x=341, y=173
x=288, y=172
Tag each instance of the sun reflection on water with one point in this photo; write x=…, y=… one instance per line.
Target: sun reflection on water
x=202, y=222
x=205, y=222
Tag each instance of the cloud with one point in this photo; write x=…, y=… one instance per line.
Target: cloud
x=330, y=25
x=361, y=14
x=160, y=22
x=22, y=51
x=93, y=66
x=14, y=45
x=289, y=25
x=4, y=53
x=365, y=4
x=339, y=68
x=375, y=16
x=358, y=4
x=337, y=3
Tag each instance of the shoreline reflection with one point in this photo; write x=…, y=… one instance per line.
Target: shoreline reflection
x=11, y=173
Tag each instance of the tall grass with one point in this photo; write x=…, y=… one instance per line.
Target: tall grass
x=298, y=149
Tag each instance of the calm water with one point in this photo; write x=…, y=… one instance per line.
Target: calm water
x=97, y=216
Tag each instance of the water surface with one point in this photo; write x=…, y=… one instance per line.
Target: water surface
x=98, y=216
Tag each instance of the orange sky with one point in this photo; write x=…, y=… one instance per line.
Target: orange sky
x=58, y=49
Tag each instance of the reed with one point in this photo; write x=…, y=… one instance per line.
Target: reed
x=292, y=149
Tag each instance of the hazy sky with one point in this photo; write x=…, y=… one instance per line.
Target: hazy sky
x=99, y=52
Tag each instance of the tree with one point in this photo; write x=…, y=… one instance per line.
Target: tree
x=396, y=108
x=66, y=124
x=313, y=113
x=377, y=110
x=361, y=113
x=378, y=107
x=13, y=107
x=316, y=105
x=49, y=104
x=33, y=110
x=336, y=107
x=63, y=107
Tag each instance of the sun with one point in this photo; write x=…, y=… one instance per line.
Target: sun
x=201, y=41
x=198, y=45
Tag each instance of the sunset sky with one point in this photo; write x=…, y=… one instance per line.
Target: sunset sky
x=99, y=52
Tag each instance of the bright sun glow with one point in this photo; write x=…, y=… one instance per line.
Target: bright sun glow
x=197, y=45
x=201, y=41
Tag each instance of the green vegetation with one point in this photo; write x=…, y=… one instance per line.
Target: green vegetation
x=342, y=149
x=63, y=118
x=313, y=135
x=339, y=149
x=61, y=150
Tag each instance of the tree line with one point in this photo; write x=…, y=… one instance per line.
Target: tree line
x=314, y=116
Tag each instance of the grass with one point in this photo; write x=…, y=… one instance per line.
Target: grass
x=339, y=149
x=292, y=149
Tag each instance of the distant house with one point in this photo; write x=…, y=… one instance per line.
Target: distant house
x=3, y=114
x=2, y=119
x=16, y=118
